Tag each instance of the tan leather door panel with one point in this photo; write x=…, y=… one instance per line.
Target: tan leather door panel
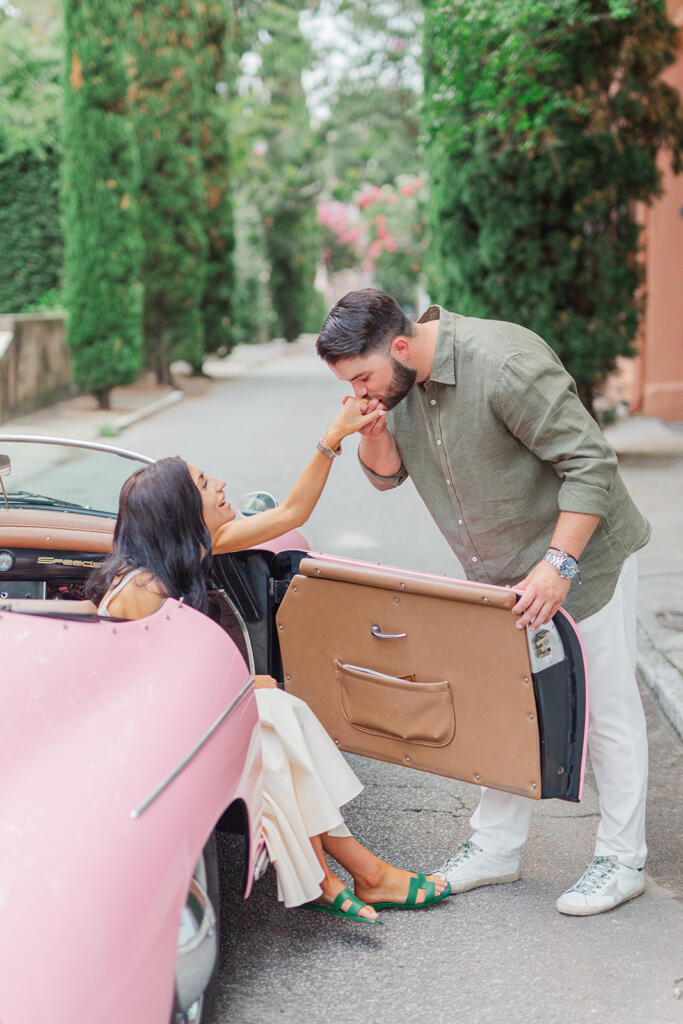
x=441, y=683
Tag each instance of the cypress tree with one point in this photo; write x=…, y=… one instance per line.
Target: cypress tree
x=288, y=172
x=542, y=124
x=166, y=109
x=100, y=186
x=217, y=301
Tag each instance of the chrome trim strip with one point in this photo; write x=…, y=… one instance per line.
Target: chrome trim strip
x=243, y=626
x=67, y=442
x=244, y=692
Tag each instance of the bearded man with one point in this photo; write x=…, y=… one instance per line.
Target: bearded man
x=517, y=475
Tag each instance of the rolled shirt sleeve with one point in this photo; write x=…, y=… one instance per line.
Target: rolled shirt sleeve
x=384, y=483
x=538, y=402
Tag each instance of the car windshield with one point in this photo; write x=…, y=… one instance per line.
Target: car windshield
x=68, y=476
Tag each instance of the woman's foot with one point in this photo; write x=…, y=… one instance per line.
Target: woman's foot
x=331, y=887
x=387, y=884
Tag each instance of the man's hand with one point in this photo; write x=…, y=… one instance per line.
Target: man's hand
x=544, y=590
x=377, y=426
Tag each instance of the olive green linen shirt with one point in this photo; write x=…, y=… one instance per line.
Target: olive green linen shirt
x=497, y=443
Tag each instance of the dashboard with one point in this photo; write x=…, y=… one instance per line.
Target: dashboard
x=49, y=555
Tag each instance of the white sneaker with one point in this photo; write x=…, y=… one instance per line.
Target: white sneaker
x=604, y=885
x=471, y=867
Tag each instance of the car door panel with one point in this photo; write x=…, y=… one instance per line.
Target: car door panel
x=432, y=673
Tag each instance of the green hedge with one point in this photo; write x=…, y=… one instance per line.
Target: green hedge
x=32, y=247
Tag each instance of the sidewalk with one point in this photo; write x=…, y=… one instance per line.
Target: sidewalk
x=651, y=462
x=79, y=417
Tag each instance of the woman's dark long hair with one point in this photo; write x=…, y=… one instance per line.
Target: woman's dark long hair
x=160, y=528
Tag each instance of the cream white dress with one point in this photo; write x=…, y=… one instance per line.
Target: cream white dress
x=305, y=783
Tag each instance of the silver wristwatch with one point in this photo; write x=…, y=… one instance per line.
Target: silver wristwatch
x=565, y=564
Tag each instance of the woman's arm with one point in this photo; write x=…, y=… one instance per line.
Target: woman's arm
x=304, y=496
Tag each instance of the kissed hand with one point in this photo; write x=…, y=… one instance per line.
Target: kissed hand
x=369, y=405
x=544, y=591
x=355, y=416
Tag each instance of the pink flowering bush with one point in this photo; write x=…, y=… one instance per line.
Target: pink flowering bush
x=383, y=229
x=396, y=235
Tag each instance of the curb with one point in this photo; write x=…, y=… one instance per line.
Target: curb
x=147, y=410
x=658, y=673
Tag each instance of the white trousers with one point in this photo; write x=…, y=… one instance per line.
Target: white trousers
x=617, y=741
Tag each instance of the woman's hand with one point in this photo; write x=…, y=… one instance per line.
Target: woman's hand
x=353, y=417
x=371, y=429
x=264, y=683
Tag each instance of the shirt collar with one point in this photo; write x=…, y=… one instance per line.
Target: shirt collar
x=443, y=366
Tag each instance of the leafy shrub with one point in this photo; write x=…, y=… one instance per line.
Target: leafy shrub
x=542, y=123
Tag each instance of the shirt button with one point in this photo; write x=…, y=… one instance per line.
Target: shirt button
x=438, y=442
x=474, y=558
x=433, y=401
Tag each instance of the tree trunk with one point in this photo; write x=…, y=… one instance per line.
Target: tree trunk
x=103, y=398
x=160, y=359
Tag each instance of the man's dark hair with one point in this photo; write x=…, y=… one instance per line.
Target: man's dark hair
x=160, y=528
x=361, y=322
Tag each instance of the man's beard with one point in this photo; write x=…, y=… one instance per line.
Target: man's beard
x=402, y=381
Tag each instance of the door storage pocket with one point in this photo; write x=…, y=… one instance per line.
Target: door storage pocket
x=398, y=709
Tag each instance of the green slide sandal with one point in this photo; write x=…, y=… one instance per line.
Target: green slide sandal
x=334, y=908
x=410, y=903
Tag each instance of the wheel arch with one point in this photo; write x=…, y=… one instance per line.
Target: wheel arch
x=235, y=821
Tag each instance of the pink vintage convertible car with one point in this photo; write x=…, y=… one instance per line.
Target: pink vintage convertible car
x=126, y=745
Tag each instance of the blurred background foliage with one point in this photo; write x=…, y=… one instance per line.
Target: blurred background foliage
x=30, y=157
x=229, y=168
x=542, y=122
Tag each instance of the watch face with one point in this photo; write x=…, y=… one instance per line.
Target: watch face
x=565, y=564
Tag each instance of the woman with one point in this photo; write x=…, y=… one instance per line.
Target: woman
x=171, y=518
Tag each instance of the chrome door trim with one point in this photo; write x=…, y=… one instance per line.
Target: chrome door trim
x=243, y=627
x=244, y=692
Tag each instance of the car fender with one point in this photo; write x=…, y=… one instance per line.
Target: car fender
x=123, y=744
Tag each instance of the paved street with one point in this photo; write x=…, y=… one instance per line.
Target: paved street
x=492, y=956
x=498, y=955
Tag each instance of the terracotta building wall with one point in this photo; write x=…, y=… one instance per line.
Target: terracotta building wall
x=659, y=378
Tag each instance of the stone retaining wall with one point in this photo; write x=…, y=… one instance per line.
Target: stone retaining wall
x=34, y=362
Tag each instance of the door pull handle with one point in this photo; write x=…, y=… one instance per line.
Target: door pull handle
x=377, y=631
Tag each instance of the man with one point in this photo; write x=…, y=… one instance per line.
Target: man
x=518, y=477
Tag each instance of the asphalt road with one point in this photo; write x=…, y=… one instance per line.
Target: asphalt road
x=497, y=955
